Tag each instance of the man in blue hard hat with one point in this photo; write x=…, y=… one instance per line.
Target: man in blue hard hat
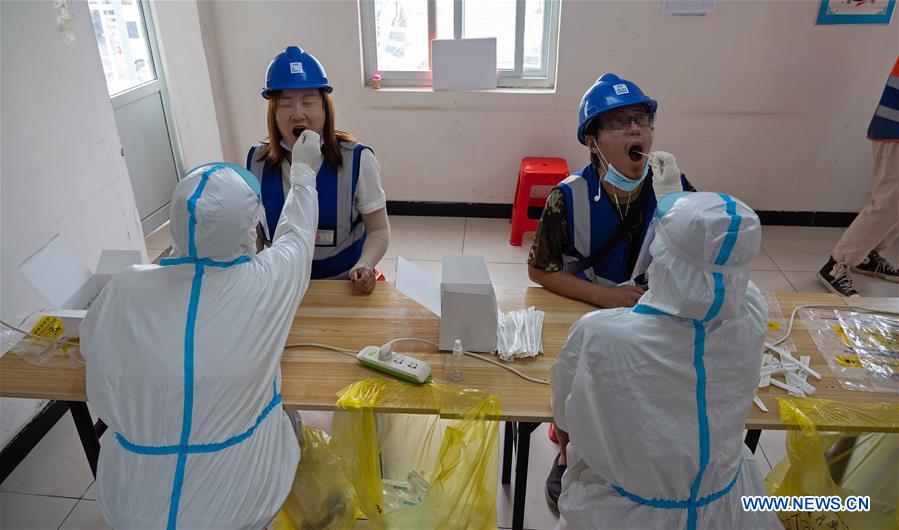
x=595, y=221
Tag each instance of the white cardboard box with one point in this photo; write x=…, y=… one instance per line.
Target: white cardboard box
x=464, y=300
x=67, y=283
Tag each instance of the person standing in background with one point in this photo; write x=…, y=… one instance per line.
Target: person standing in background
x=877, y=225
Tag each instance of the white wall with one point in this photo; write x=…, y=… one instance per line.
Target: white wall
x=187, y=79
x=755, y=100
x=62, y=171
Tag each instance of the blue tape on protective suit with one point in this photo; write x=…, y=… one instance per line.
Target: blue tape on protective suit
x=665, y=504
x=200, y=448
x=648, y=310
x=733, y=230
x=203, y=261
x=184, y=448
x=693, y=504
x=702, y=417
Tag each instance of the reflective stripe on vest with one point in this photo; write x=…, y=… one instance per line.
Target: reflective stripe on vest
x=592, y=222
x=336, y=203
x=885, y=123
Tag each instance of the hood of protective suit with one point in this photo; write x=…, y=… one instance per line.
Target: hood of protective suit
x=214, y=213
x=704, y=245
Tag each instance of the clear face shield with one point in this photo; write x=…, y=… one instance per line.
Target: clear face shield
x=259, y=219
x=253, y=183
x=640, y=274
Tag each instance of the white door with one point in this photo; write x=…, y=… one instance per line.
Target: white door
x=127, y=45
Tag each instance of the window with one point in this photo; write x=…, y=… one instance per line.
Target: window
x=396, y=36
x=122, y=42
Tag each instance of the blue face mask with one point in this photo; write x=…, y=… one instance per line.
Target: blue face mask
x=615, y=178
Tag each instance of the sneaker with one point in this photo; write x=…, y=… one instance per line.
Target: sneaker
x=554, y=484
x=877, y=266
x=835, y=276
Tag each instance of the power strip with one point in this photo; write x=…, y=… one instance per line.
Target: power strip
x=397, y=365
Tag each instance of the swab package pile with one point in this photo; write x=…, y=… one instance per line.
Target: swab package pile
x=778, y=359
x=519, y=333
x=795, y=372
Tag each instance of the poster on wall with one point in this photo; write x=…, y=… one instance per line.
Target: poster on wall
x=856, y=11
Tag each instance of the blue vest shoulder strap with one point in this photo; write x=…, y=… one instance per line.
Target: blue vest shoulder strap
x=336, y=212
x=272, y=190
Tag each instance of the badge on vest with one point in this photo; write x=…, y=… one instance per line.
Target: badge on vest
x=325, y=238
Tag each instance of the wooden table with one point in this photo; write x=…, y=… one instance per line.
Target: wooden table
x=331, y=313
x=829, y=386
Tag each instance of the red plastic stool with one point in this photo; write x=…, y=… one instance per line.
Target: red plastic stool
x=535, y=171
x=551, y=433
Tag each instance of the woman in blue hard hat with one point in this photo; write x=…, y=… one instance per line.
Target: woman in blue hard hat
x=353, y=231
x=595, y=221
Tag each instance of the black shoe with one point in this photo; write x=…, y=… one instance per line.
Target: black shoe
x=877, y=266
x=835, y=276
x=554, y=484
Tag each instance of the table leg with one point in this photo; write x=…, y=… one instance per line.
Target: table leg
x=521, y=472
x=752, y=439
x=87, y=432
x=508, y=444
x=100, y=428
x=23, y=442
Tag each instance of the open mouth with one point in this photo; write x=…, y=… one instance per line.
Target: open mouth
x=297, y=131
x=635, y=152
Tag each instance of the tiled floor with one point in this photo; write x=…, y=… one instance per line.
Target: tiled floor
x=53, y=487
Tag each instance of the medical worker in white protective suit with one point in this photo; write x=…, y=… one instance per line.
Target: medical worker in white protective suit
x=183, y=358
x=654, y=397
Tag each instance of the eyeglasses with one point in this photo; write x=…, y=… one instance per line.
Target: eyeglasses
x=624, y=120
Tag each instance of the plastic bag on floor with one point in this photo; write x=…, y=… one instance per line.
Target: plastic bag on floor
x=321, y=497
x=830, y=454
x=431, y=463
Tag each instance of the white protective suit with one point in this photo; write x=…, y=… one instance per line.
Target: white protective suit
x=183, y=362
x=654, y=398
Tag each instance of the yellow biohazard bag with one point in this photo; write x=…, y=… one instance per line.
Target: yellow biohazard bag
x=430, y=463
x=833, y=452
x=321, y=497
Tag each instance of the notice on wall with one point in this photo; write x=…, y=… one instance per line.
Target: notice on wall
x=855, y=12
x=696, y=8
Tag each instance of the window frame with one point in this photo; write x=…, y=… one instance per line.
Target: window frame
x=515, y=78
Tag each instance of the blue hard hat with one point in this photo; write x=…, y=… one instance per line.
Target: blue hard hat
x=607, y=93
x=294, y=68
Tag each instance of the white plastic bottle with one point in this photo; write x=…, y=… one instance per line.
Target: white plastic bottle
x=456, y=361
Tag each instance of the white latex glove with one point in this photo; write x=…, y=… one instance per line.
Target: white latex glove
x=665, y=174
x=307, y=157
